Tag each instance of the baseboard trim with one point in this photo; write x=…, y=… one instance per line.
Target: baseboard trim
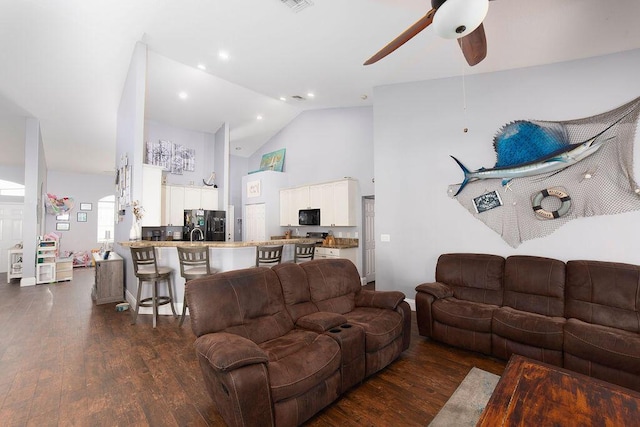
x=27, y=281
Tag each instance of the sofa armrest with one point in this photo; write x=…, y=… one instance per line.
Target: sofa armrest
x=437, y=289
x=227, y=352
x=379, y=299
x=321, y=321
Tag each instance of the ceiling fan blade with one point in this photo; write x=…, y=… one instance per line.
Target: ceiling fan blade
x=474, y=46
x=407, y=35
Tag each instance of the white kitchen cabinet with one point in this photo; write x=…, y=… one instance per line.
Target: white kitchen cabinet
x=315, y=196
x=209, y=198
x=287, y=219
x=177, y=198
x=333, y=253
x=151, y=195
x=192, y=198
x=173, y=205
x=201, y=198
x=336, y=201
x=338, y=204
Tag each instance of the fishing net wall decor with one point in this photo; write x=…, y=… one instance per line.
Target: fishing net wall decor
x=535, y=206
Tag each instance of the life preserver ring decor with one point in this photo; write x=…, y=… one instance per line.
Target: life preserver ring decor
x=551, y=192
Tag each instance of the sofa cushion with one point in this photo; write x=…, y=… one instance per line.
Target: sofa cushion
x=529, y=328
x=472, y=277
x=332, y=284
x=381, y=326
x=298, y=361
x=534, y=284
x=249, y=303
x=604, y=293
x=463, y=314
x=295, y=289
x=606, y=346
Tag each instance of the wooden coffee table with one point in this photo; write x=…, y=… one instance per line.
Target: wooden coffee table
x=531, y=393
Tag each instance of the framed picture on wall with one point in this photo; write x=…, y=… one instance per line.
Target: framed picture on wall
x=82, y=217
x=62, y=226
x=62, y=217
x=85, y=206
x=253, y=189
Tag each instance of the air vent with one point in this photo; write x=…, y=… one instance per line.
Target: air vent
x=297, y=5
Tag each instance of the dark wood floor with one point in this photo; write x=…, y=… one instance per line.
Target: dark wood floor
x=65, y=361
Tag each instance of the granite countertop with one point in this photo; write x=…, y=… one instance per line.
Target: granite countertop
x=186, y=243
x=340, y=243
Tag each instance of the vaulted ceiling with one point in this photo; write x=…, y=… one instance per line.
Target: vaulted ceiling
x=64, y=62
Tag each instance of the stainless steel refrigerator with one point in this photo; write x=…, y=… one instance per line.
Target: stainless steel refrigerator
x=212, y=225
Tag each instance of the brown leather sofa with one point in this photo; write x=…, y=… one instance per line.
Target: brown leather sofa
x=276, y=345
x=582, y=315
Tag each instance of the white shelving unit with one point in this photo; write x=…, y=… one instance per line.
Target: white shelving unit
x=46, y=261
x=14, y=264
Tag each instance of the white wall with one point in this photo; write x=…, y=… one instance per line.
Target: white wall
x=83, y=188
x=129, y=142
x=418, y=125
x=327, y=145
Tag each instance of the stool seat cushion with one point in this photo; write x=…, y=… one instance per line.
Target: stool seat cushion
x=195, y=272
x=150, y=271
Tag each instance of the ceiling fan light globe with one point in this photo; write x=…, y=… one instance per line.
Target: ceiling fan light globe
x=457, y=18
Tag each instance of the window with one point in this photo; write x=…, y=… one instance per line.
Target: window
x=106, y=218
x=8, y=188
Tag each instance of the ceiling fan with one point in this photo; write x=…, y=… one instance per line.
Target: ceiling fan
x=460, y=19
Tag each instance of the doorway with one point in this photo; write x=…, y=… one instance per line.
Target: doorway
x=369, y=238
x=10, y=229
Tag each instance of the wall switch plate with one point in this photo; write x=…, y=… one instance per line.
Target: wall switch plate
x=339, y=233
x=385, y=237
x=355, y=235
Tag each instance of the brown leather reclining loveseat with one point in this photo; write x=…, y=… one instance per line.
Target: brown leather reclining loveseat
x=582, y=315
x=276, y=345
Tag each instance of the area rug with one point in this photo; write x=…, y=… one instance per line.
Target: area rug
x=466, y=404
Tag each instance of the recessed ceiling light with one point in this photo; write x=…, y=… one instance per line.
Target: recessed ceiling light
x=223, y=55
x=183, y=95
x=259, y=117
x=202, y=67
x=282, y=98
x=310, y=94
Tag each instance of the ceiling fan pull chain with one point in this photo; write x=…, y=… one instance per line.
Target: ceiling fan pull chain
x=464, y=102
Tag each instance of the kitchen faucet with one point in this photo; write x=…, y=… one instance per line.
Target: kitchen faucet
x=196, y=229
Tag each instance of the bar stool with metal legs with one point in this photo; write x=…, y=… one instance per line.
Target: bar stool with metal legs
x=146, y=269
x=194, y=263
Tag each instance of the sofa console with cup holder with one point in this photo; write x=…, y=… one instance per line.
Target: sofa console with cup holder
x=277, y=345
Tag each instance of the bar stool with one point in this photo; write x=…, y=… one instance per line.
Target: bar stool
x=194, y=263
x=268, y=255
x=147, y=270
x=304, y=252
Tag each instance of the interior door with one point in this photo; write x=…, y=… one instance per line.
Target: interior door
x=256, y=223
x=369, y=257
x=10, y=229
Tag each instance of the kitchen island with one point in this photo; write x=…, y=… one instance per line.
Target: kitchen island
x=223, y=256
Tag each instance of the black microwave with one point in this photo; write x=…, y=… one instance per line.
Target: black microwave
x=309, y=217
